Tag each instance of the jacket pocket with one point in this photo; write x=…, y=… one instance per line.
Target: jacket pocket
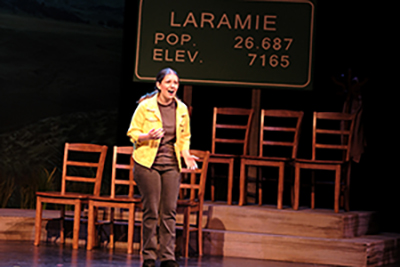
x=151, y=122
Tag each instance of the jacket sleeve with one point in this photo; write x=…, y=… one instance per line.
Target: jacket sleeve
x=185, y=133
x=136, y=126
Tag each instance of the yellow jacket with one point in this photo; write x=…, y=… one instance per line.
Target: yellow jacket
x=146, y=117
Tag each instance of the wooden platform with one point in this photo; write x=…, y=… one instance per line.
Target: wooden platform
x=304, y=236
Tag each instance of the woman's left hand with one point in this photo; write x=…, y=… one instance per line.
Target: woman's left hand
x=190, y=160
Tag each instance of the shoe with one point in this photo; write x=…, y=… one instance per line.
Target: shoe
x=169, y=263
x=149, y=263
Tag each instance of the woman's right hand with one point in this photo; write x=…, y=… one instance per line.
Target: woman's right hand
x=153, y=134
x=156, y=134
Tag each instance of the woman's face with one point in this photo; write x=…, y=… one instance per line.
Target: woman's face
x=168, y=88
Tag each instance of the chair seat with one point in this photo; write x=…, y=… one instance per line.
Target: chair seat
x=310, y=161
x=116, y=199
x=187, y=203
x=266, y=158
x=191, y=171
x=216, y=156
x=222, y=158
x=63, y=195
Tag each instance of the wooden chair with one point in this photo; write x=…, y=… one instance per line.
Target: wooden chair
x=332, y=136
x=278, y=143
x=233, y=127
x=193, y=201
x=81, y=161
x=130, y=202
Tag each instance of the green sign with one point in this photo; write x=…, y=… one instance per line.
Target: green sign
x=238, y=42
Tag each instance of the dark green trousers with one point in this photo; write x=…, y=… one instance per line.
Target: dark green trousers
x=159, y=188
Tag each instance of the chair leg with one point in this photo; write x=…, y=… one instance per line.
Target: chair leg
x=186, y=232
x=77, y=222
x=230, y=182
x=62, y=220
x=296, y=187
x=291, y=175
x=259, y=185
x=312, y=189
x=131, y=227
x=91, y=227
x=347, y=188
x=111, y=242
x=212, y=169
x=280, y=185
x=38, y=220
x=200, y=231
x=242, y=183
x=337, y=187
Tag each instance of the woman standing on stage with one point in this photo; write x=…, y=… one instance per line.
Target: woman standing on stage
x=160, y=132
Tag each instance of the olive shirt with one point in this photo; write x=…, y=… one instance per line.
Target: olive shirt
x=166, y=154
x=147, y=116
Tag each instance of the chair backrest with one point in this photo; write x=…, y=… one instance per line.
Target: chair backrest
x=233, y=125
x=332, y=132
x=122, y=169
x=279, y=129
x=196, y=182
x=83, y=163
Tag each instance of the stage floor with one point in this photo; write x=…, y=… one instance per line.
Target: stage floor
x=25, y=254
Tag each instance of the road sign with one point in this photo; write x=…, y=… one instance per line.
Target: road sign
x=221, y=42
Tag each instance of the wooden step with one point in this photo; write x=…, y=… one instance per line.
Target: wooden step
x=374, y=250
x=305, y=222
x=18, y=224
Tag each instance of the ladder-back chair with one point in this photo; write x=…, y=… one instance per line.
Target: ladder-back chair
x=331, y=144
x=230, y=133
x=278, y=143
x=193, y=200
x=83, y=164
x=122, y=175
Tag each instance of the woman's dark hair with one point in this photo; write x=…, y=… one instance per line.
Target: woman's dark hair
x=159, y=78
x=164, y=72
